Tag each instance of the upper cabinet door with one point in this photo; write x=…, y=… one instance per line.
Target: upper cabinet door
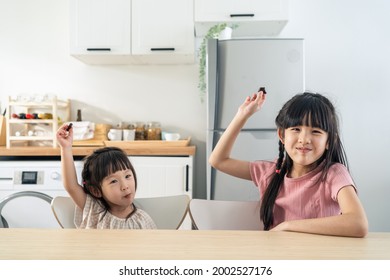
x=100, y=27
x=163, y=27
x=254, y=17
x=214, y=10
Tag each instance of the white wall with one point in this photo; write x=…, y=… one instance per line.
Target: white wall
x=347, y=45
x=34, y=58
x=347, y=58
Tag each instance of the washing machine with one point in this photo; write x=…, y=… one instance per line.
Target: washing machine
x=31, y=174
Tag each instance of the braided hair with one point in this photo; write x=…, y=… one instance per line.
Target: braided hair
x=309, y=109
x=100, y=164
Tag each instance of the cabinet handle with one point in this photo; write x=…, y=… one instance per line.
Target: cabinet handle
x=98, y=49
x=162, y=49
x=187, y=177
x=242, y=15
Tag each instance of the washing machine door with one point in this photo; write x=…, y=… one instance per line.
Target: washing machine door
x=27, y=209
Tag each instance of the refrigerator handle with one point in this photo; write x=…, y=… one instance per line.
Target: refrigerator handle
x=211, y=85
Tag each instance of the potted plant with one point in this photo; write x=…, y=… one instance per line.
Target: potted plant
x=213, y=32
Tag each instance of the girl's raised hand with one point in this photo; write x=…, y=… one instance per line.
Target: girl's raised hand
x=252, y=104
x=65, y=136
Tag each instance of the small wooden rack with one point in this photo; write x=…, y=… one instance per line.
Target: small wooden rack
x=51, y=106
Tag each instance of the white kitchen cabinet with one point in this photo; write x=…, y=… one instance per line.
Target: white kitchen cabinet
x=100, y=27
x=33, y=131
x=164, y=176
x=163, y=30
x=126, y=32
x=253, y=17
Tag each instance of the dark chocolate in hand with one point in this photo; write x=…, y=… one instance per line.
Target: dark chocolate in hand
x=262, y=89
x=69, y=127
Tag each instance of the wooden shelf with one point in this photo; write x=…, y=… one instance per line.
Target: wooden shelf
x=31, y=121
x=48, y=126
x=60, y=104
x=30, y=138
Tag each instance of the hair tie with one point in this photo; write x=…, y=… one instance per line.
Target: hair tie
x=277, y=171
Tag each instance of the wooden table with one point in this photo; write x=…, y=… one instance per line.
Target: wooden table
x=75, y=244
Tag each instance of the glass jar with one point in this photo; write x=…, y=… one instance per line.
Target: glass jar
x=140, y=131
x=153, y=131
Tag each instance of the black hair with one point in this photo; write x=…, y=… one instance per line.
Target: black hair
x=100, y=164
x=309, y=109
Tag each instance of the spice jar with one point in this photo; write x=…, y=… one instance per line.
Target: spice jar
x=139, y=131
x=153, y=131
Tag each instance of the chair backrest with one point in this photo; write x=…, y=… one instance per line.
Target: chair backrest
x=63, y=209
x=21, y=214
x=168, y=212
x=225, y=215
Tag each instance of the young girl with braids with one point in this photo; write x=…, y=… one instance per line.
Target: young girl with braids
x=109, y=184
x=308, y=188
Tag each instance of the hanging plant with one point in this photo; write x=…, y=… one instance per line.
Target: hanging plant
x=212, y=33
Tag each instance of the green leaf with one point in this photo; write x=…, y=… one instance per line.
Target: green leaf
x=213, y=32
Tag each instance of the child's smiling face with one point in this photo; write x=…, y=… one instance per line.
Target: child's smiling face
x=305, y=145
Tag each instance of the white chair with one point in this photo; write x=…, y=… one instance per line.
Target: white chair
x=19, y=208
x=168, y=212
x=225, y=215
x=63, y=209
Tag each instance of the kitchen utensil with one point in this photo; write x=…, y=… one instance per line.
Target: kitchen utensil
x=115, y=134
x=171, y=136
x=128, y=134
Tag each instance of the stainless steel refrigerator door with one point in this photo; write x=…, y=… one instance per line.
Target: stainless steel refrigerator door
x=250, y=146
x=246, y=64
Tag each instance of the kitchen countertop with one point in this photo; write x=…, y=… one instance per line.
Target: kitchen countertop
x=83, y=151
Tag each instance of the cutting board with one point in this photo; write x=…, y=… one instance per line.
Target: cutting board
x=2, y=131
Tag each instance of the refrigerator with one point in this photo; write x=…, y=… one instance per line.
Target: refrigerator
x=236, y=68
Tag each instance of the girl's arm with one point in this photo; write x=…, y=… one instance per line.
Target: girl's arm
x=353, y=221
x=220, y=157
x=69, y=176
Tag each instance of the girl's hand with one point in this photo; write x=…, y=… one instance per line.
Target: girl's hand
x=65, y=137
x=252, y=104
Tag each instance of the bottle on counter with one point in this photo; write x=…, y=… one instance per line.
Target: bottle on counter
x=153, y=131
x=79, y=118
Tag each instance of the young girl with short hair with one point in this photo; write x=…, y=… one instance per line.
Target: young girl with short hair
x=109, y=184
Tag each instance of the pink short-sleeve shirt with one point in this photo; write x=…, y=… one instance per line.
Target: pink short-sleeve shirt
x=304, y=197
